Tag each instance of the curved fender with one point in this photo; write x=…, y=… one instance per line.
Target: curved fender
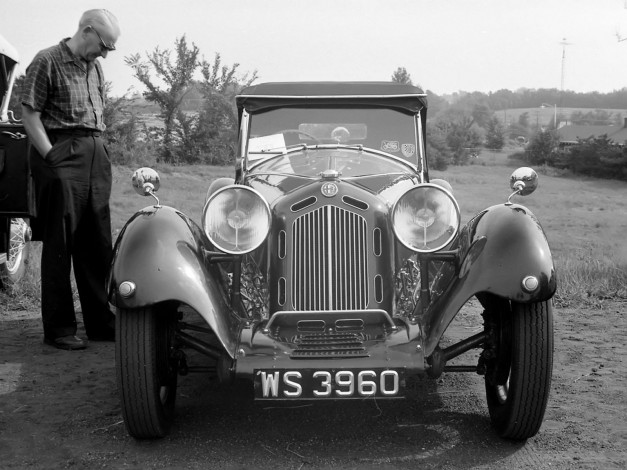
x=499, y=247
x=160, y=251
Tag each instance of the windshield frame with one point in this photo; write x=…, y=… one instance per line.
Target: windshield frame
x=246, y=165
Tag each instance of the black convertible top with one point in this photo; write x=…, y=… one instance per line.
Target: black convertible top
x=264, y=96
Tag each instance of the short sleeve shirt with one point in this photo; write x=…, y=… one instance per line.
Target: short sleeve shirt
x=69, y=93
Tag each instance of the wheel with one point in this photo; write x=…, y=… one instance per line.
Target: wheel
x=146, y=369
x=13, y=268
x=518, y=375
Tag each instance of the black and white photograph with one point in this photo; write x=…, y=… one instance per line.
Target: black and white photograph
x=351, y=234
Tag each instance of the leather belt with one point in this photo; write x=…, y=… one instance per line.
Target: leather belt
x=78, y=132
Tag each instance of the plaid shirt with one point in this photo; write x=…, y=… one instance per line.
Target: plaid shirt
x=68, y=93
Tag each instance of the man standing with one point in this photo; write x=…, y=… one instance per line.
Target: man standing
x=62, y=109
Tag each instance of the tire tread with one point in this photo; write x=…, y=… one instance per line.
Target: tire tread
x=138, y=380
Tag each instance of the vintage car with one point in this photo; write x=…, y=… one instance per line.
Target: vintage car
x=16, y=192
x=330, y=267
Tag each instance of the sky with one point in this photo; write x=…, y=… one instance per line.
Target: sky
x=446, y=45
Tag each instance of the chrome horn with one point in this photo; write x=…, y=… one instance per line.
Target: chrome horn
x=523, y=181
x=146, y=182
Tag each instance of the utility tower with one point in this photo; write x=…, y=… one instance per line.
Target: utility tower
x=563, y=43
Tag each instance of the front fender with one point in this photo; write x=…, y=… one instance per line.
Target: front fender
x=160, y=250
x=498, y=248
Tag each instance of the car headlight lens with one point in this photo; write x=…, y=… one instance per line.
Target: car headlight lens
x=236, y=219
x=426, y=218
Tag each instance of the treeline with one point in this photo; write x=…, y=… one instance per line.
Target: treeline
x=459, y=126
x=532, y=98
x=599, y=157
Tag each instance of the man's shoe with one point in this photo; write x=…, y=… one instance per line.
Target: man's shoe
x=70, y=342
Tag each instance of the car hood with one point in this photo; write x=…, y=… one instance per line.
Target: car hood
x=386, y=187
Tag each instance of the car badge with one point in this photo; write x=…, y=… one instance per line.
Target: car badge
x=329, y=189
x=389, y=146
x=408, y=150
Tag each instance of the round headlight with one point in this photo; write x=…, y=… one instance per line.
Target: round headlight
x=236, y=219
x=426, y=218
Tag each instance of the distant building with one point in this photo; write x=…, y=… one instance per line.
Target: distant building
x=570, y=134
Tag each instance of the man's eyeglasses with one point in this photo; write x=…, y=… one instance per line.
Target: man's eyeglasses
x=103, y=45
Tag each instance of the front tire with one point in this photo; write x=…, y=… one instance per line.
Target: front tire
x=518, y=379
x=146, y=370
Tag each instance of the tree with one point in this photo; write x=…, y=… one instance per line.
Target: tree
x=217, y=124
x=220, y=86
x=126, y=132
x=462, y=138
x=495, y=134
x=437, y=150
x=598, y=117
x=401, y=76
x=542, y=148
x=437, y=104
x=481, y=114
x=177, y=77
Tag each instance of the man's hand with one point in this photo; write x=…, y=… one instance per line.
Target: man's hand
x=35, y=130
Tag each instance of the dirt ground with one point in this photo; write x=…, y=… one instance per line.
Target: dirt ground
x=59, y=409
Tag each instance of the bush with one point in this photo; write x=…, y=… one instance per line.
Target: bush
x=542, y=148
x=596, y=156
x=141, y=153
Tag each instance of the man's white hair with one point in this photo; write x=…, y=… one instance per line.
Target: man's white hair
x=100, y=17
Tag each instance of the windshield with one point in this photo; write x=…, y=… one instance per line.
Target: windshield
x=348, y=162
x=382, y=129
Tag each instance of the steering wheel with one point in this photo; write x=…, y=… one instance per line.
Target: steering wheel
x=296, y=131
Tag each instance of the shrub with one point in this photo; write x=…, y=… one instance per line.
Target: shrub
x=541, y=148
x=596, y=156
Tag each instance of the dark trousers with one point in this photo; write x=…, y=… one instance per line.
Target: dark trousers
x=73, y=187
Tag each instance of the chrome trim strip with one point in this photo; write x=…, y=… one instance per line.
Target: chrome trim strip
x=421, y=149
x=329, y=256
x=242, y=150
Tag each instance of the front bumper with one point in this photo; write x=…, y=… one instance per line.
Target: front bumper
x=330, y=340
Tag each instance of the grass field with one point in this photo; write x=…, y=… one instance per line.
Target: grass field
x=585, y=221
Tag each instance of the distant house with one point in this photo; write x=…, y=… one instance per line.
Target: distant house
x=570, y=134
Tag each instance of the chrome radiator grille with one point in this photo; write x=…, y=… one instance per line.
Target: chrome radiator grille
x=329, y=268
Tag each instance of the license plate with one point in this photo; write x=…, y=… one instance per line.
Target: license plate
x=273, y=384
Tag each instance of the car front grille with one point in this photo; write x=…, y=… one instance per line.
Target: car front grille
x=329, y=267
x=332, y=345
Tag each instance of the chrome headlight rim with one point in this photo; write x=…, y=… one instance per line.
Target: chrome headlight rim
x=215, y=242
x=440, y=246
